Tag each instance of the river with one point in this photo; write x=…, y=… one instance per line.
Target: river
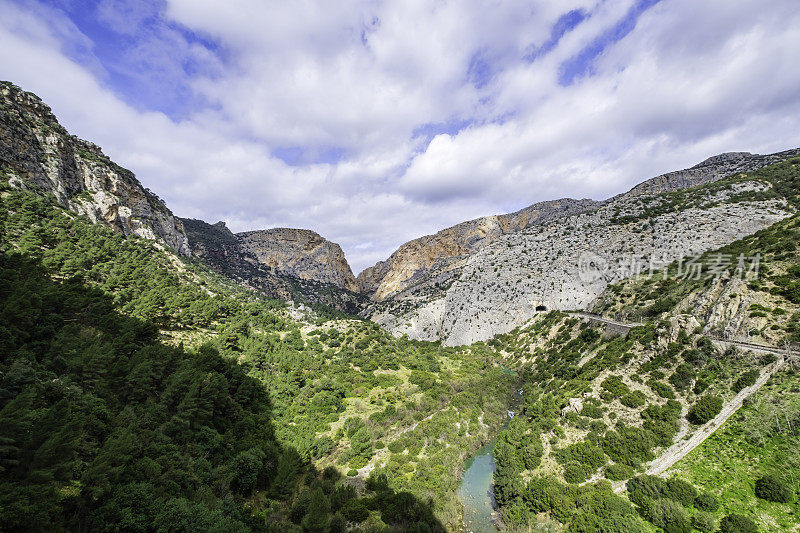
x=476, y=492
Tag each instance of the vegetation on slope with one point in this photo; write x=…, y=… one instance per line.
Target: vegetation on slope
x=770, y=293
x=340, y=394
x=598, y=407
x=752, y=464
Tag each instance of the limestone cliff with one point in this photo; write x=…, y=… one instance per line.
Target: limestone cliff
x=275, y=263
x=516, y=273
x=428, y=263
x=36, y=152
x=712, y=169
x=434, y=259
x=299, y=253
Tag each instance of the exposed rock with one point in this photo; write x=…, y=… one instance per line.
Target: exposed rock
x=39, y=154
x=433, y=256
x=247, y=260
x=539, y=268
x=428, y=263
x=300, y=253
x=712, y=169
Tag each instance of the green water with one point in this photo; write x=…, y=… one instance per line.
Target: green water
x=475, y=491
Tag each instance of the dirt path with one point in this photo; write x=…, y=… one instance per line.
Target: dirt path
x=680, y=449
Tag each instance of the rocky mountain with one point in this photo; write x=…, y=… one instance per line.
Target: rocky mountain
x=427, y=263
x=301, y=253
x=712, y=169
x=541, y=265
x=285, y=264
x=433, y=260
x=36, y=152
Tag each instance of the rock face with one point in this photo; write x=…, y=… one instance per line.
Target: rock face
x=38, y=153
x=712, y=169
x=430, y=262
x=539, y=265
x=299, y=253
x=434, y=259
x=283, y=264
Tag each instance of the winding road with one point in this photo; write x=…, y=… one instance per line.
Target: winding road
x=682, y=447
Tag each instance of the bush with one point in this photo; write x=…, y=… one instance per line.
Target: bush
x=574, y=473
x=704, y=522
x=584, y=453
x=532, y=454
x=706, y=408
x=745, y=380
x=629, y=445
x=642, y=489
x=680, y=491
x=706, y=502
x=618, y=472
x=634, y=399
x=663, y=390
x=592, y=411
x=668, y=515
x=615, y=386
x=355, y=510
x=661, y=306
x=683, y=376
x=736, y=523
x=773, y=489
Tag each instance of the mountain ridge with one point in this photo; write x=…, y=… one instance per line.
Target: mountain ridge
x=406, y=293
x=372, y=279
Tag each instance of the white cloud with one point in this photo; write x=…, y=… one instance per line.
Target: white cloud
x=688, y=82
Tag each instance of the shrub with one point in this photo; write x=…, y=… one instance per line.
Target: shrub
x=355, y=510
x=645, y=488
x=574, y=473
x=683, y=376
x=592, y=411
x=706, y=408
x=661, y=306
x=704, y=522
x=706, y=502
x=773, y=489
x=663, y=390
x=618, y=472
x=584, y=453
x=634, y=399
x=615, y=386
x=629, y=445
x=532, y=454
x=745, y=380
x=668, y=515
x=736, y=523
x=700, y=385
x=680, y=491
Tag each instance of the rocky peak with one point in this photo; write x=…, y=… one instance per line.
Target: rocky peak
x=299, y=253
x=38, y=153
x=440, y=256
x=712, y=169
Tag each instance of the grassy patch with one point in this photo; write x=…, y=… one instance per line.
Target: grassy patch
x=747, y=447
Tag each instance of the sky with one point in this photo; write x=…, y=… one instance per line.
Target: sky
x=376, y=122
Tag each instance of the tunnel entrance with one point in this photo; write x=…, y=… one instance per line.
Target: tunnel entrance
x=541, y=308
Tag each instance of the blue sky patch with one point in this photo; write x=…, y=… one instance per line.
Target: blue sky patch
x=582, y=63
